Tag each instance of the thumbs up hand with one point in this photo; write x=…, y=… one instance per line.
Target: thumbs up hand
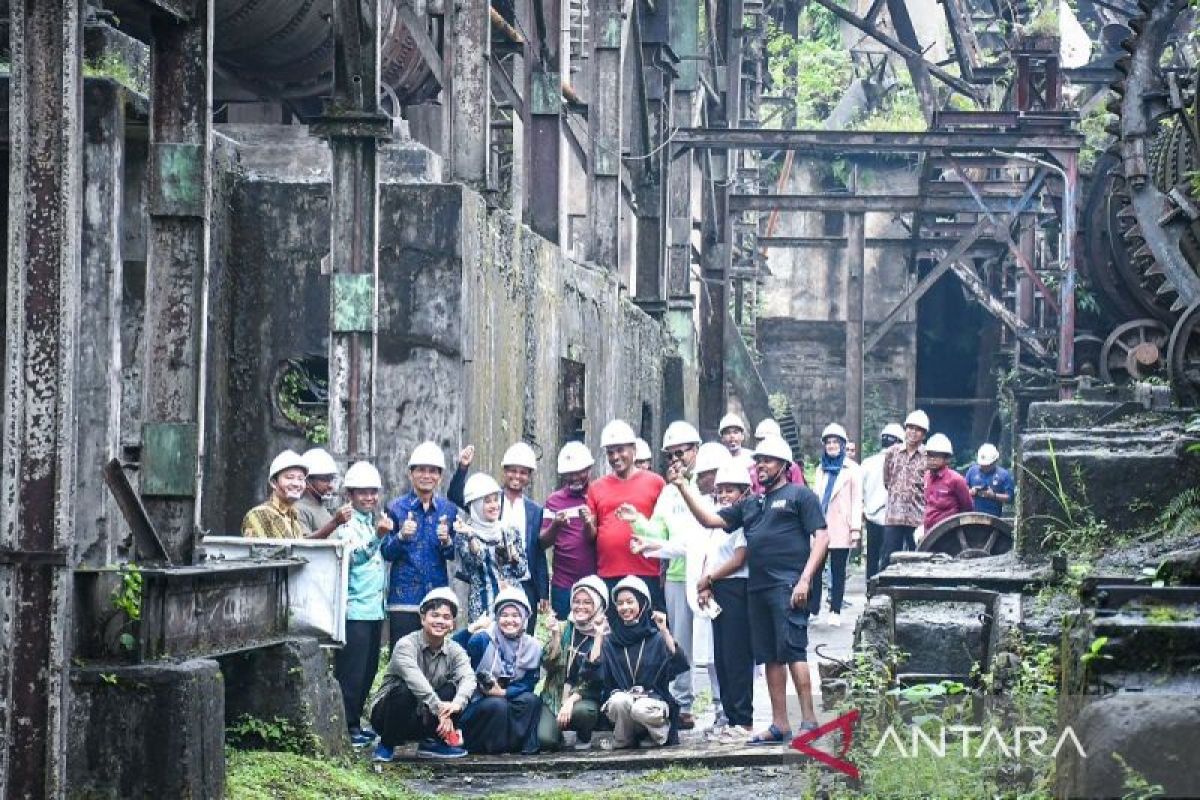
x=443, y=531
x=409, y=529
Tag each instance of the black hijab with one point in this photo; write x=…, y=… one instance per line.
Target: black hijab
x=627, y=634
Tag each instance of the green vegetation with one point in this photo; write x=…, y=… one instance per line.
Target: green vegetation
x=1096, y=138
x=113, y=66
x=900, y=111
x=277, y=735
x=127, y=598
x=1134, y=784
x=813, y=68
x=1074, y=531
x=255, y=775
x=296, y=387
x=1045, y=22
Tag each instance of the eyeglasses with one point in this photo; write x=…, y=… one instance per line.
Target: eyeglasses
x=677, y=455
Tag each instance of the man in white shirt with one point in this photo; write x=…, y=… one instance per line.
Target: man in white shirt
x=875, y=495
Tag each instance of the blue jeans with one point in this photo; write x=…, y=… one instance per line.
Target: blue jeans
x=560, y=601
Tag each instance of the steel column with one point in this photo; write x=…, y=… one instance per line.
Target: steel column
x=605, y=131
x=1066, y=302
x=354, y=124
x=173, y=383
x=855, y=355
x=470, y=48
x=44, y=227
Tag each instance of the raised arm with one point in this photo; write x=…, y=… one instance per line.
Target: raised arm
x=705, y=516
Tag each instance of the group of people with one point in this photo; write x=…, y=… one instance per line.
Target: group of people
x=641, y=579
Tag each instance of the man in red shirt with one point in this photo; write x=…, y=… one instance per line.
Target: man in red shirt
x=627, y=484
x=946, y=492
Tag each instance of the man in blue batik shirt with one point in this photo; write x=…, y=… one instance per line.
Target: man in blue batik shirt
x=991, y=485
x=421, y=541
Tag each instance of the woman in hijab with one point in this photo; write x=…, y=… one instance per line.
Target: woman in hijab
x=503, y=714
x=635, y=662
x=569, y=701
x=839, y=486
x=491, y=557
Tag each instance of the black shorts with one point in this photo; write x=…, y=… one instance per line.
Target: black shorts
x=778, y=632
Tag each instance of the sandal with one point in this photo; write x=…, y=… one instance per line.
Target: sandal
x=772, y=736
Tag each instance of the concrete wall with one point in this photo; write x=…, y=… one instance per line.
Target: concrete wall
x=475, y=314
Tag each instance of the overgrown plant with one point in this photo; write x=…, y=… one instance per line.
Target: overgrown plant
x=1076, y=530
x=127, y=598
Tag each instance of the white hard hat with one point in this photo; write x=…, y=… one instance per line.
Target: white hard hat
x=768, y=427
x=444, y=593
x=833, y=429
x=596, y=585
x=939, y=443
x=574, y=457
x=641, y=450
x=731, y=420
x=519, y=455
x=917, y=419
x=733, y=472
x=427, y=454
x=632, y=582
x=710, y=456
x=617, y=432
x=775, y=447
x=287, y=460
x=893, y=429
x=362, y=475
x=512, y=594
x=479, y=485
x=987, y=455
x=319, y=462
x=680, y=432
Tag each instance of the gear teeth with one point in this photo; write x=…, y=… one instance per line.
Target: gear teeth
x=1137, y=25
x=1166, y=290
x=1153, y=268
x=1145, y=255
x=1127, y=212
x=1146, y=7
x=1122, y=65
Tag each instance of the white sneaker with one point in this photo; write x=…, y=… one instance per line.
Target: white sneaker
x=815, y=619
x=834, y=619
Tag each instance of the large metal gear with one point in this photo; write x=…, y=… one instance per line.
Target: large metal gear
x=1147, y=209
x=1154, y=116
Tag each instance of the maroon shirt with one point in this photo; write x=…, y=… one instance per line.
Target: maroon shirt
x=946, y=494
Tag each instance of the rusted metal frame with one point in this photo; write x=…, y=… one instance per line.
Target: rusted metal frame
x=910, y=300
x=997, y=309
x=36, y=512
x=872, y=242
x=174, y=377
x=179, y=10
x=353, y=227
x=906, y=52
x=420, y=34
x=527, y=60
x=872, y=13
x=504, y=81
x=649, y=183
x=1003, y=231
x=820, y=142
x=149, y=547
x=962, y=35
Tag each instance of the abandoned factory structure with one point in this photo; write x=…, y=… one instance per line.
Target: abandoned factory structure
x=239, y=226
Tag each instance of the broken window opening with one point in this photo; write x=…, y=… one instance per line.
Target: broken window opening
x=572, y=400
x=301, y=393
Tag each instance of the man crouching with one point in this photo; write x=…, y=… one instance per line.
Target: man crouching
x=427, y=685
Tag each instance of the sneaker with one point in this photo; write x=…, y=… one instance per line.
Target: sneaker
x=432, y=748
x=362, y=738
x=646, y=744
x=834, y=619
x=581, y=745
x=383, y=754
x=809, y=726
x=686, y=721
x=736, y=734
x=714, y=733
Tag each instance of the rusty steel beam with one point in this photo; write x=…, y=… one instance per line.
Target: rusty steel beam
x=904, y=51
x=470, y=46
x=173, y=384
x=856, y=241
x=822, y=142
x=36, y=513
x=872, y=242
x=883, y=203
x=910, y=300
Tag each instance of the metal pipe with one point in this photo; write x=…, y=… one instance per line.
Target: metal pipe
x=1066, y=313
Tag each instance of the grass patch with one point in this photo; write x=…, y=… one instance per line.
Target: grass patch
x=672, y=774
x=259, y=775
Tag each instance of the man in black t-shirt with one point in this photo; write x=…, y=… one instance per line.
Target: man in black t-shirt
x=785, y=546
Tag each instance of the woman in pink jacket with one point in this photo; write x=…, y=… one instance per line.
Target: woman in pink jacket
x=839, y=487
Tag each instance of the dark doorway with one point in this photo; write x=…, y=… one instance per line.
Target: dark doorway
x=572, y=400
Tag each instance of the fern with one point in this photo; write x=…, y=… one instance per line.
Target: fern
x=1183, y=512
